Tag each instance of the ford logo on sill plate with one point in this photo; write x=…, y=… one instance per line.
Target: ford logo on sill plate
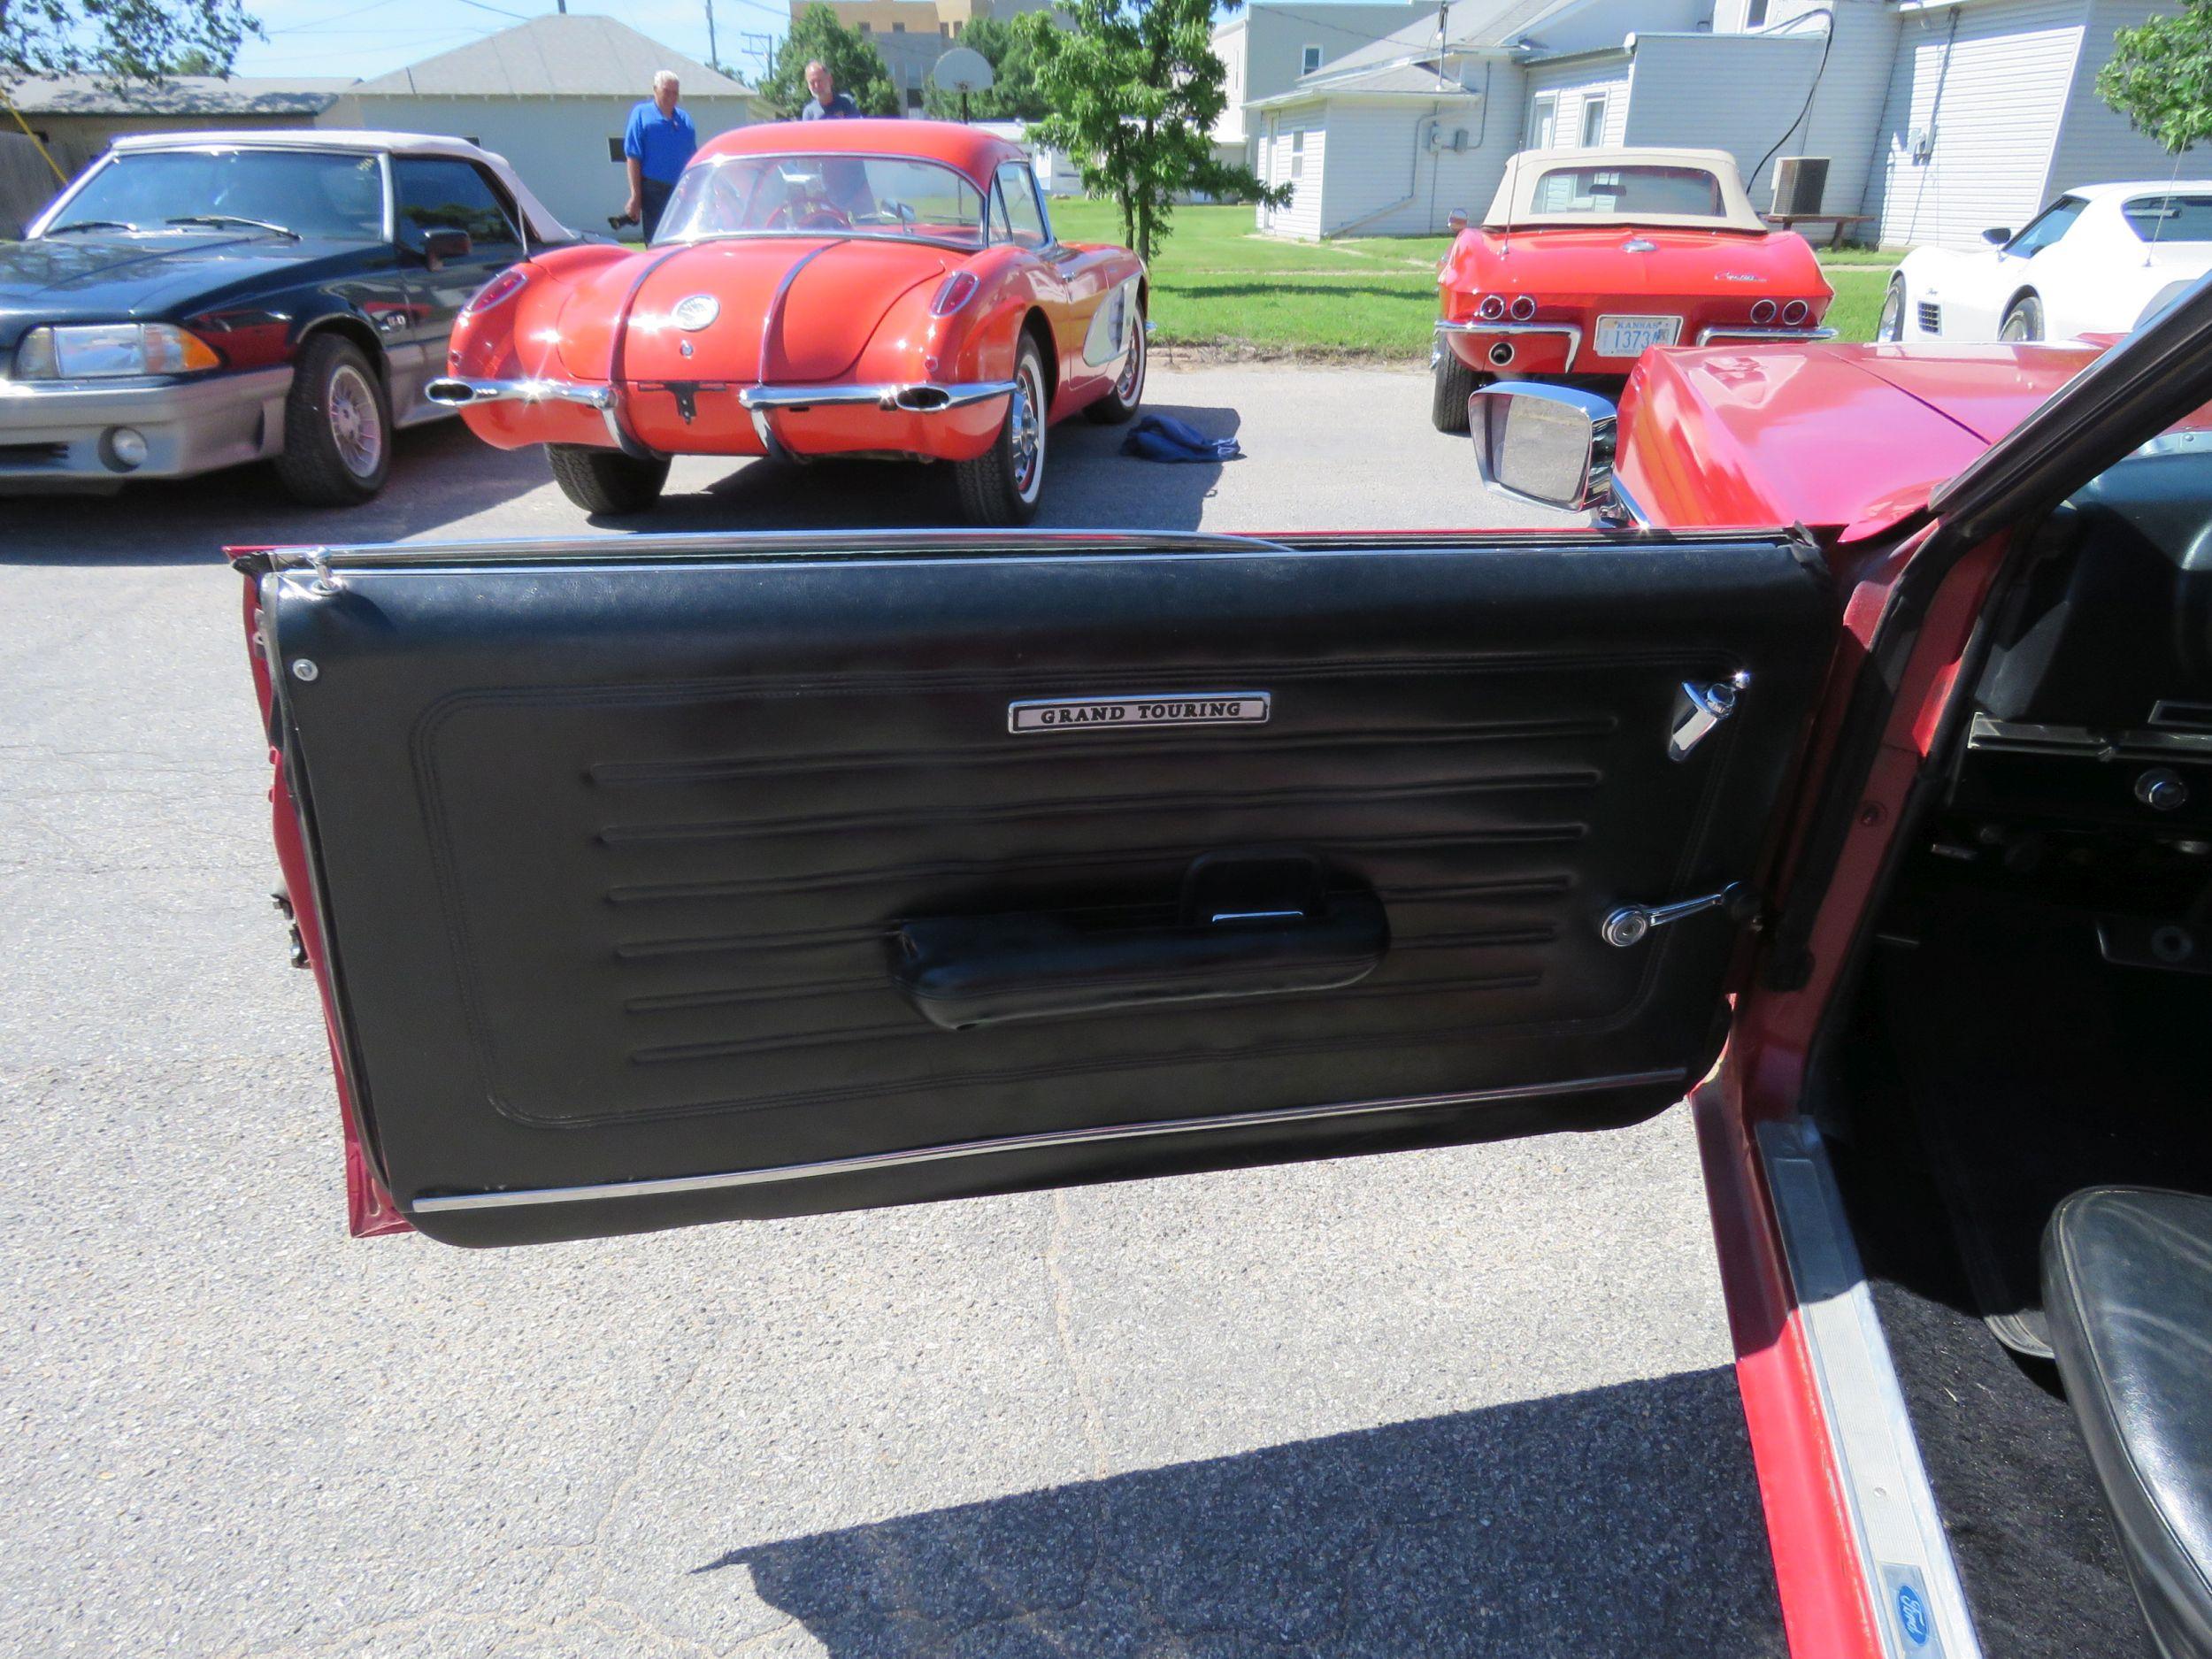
x=696, y=310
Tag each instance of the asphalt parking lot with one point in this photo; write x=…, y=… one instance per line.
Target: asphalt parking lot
x=1465, y=1401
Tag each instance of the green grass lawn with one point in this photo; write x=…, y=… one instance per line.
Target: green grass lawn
x=1217, y=284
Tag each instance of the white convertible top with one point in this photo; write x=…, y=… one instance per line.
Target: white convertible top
x=543, y=226
x=1520, y=190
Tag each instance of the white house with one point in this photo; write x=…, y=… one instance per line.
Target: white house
x=1938, y=119
x=1266, y=45
x=551, y=95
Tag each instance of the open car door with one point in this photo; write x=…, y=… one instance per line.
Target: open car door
x=673, y=880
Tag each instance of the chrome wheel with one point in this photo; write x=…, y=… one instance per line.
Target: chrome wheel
x=1025, y=423
x=357, y=425
x=1893, y=324
x=1131, y=384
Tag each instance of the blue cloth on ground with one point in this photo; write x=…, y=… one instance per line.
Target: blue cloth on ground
x=1163, y=438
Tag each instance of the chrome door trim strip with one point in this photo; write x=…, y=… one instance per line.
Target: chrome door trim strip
x=1904, y=1554
x=449, y=1203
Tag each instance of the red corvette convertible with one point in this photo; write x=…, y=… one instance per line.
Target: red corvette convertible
x=1589, y=258
x=1850, y=778
x=881, y=288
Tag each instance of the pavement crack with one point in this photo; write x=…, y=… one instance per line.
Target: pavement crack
x=1063, y=1318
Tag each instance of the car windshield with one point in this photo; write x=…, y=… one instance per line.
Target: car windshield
x=225, y=192
x=1616, y=192
x=2169, y=217
x=871, y=196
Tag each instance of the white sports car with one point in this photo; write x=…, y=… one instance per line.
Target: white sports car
x=2102, y=260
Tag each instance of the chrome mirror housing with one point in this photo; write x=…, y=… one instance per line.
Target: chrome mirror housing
x=1551, y=446
x=1457, y=222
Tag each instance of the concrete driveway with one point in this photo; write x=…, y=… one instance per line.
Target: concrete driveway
x=1465, y=1401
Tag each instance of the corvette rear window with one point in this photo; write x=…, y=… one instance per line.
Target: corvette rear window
x=2169, y=217
x=868, y=195
x=1677, y=192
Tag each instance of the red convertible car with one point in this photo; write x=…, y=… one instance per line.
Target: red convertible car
x=1849, y=776
x=881, y=288
x=1589, y=258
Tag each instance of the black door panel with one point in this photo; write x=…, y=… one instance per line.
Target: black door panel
x=634, y=869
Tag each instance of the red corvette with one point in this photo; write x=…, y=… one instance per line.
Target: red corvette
x=1589, y=258
x=883, y=289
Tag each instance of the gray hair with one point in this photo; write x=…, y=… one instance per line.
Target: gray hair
x=664, y=78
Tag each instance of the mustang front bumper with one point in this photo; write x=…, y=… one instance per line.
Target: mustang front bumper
x=61, y=433
x=762, y=403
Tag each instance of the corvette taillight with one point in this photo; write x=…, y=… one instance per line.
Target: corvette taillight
x=958, y=288
x=1796, y=312
x=1492, y=308
x=1523, y=307
x=501, y=287
x=1763, y=310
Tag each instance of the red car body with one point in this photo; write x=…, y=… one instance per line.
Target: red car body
x=812, y=324
x=1541, y=287
x=1909, y=477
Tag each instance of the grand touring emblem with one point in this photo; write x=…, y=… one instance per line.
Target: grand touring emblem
x=696, y=310
x=1180, y=708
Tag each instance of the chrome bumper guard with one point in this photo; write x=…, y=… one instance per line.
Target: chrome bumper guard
x=921, y=397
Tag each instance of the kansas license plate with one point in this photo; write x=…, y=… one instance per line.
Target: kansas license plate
x=1633, y=336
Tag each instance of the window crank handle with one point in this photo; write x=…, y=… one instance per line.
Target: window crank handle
x=1628, y=925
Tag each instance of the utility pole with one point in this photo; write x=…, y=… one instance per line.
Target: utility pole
x=714, y=58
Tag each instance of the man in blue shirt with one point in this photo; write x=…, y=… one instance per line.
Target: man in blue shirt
x=827, y=103
x=659, y=140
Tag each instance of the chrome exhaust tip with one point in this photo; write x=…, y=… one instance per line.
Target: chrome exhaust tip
x=1501, y=354
x=449, y=393
x=922, y=398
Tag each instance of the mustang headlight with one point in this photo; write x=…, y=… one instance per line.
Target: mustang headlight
x=89, y=351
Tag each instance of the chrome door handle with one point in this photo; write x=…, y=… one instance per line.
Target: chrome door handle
x=1699, y=709
x=1628, y=925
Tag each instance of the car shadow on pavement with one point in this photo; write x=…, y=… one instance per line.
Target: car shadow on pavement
x=442, y=472
x=1089, y=484
x=1615, y=1520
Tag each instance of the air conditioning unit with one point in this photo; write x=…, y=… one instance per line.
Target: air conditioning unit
x=1800, y=181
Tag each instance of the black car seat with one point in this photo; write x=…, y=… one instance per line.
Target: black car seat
x=2127, y=1285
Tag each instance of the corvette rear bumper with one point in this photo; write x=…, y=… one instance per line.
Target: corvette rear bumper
x=1750, y=333
x=761, y=403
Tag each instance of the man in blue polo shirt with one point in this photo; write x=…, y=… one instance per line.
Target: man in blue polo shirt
x=659, y=140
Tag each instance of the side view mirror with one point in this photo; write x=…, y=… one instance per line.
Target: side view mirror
x=1998, y=237
x=438, y=246
x=1548, y=445
x=1457, y=222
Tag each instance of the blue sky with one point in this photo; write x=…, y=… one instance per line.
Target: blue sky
x=368, y=37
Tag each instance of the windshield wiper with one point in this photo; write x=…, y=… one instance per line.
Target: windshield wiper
x=88, y=224
x=220, y=220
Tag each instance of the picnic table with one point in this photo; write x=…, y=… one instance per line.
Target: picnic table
x=1790, y=221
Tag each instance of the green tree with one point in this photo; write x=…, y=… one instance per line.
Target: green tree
x=852, y=60
x=1135, y=89
x=1014, y=95
x=2160, y=76
x=120, y=41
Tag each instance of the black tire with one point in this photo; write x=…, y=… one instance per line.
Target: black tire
x=1892, y=326
x=337, y=426
x=1455, y=383
x=1121, y=404
x=2025, y=320
x=1001, y=485
x=606, y=480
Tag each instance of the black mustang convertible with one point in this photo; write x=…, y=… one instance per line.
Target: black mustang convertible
x=196, y=300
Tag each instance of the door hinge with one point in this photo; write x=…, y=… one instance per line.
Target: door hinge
x=1701, y=706
x=1628, y=925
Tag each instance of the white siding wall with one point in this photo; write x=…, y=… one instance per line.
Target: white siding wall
x=1265, y=45
x=1675, y=103
x=1847, y=105
x=1574, y=85
x=2095, y=144
x=1598, y=25
x=1384, y=180
x=1989, y=80
x=558, y=145
x=1302, y=217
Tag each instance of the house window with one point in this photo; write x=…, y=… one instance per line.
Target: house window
x=898, y=29
x=1592, y=122
x=1298, y=154
x=1755, y=15
x=1543, y=122
x=913, y=100
x=1309, y=60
